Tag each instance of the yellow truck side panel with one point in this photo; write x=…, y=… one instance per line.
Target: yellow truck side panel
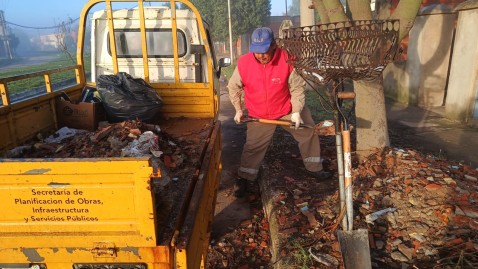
x=23, y=123
x=61, y=258
x=193, y=241
x=194, y=102
x=116, y=181
x=78, y=202
x=84, y=212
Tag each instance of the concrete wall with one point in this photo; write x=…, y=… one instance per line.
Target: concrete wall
x=462, y=96
x=422, y=79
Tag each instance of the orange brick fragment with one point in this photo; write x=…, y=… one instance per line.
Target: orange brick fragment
x=433, y=187
x=416, y=246
x=455, y=241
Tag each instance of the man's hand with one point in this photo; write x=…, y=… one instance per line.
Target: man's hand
x=238, y=116
x=295, y=117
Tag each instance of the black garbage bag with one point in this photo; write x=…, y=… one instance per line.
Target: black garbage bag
x=127, y=98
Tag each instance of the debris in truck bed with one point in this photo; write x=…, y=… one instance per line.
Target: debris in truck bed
x=175, y=146
x=108, y=141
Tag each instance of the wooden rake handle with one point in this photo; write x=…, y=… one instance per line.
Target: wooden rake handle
x=275, y=122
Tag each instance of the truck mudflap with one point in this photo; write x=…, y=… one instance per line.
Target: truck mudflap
x=74, y=204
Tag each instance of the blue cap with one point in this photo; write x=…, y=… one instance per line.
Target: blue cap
x=261, y=40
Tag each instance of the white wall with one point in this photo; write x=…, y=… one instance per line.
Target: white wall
x=463, y=85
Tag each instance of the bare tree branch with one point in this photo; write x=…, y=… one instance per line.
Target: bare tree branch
x=62, y=31
x=360, y=9
x=406, y=12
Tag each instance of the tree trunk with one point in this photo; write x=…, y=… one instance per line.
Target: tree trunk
x=371, y=117
x=383, y=9
x=371, y=125
x=320, y=7
x=370, y=113
x=334, y=11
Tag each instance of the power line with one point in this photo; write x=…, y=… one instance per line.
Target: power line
x=41, y=28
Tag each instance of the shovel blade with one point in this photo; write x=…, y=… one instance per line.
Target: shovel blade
x=355, y=249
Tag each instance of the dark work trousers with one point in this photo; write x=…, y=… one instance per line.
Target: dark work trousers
x=259, y=136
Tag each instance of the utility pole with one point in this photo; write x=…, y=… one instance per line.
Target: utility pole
x=4, y=36
x=230, y=30
x=286, y=23
x=286, y=8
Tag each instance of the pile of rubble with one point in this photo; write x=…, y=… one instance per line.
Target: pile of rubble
x=246, y=246
x=425, y=210
x=420, y=211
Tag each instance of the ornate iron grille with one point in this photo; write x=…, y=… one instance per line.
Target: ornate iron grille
x=351, y=49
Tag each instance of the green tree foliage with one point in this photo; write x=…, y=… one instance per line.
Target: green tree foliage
x=14, y=41
x=294, y=8
x=24, y=44
x=246, y=15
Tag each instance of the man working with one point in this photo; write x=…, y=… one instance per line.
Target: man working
x=272, y=90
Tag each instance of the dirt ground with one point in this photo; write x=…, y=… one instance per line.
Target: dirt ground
x=291, y=219
x=240, y=231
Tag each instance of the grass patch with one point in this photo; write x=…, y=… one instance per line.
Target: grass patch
x=60, y=60
x=318, y=103
x=322, y=108
x=227, y=71
x=38, y=81
x=298, y=257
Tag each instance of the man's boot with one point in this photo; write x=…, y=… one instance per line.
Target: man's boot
x=323, y=175
x=241, y=185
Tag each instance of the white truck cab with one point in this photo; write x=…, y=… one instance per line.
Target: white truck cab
x=192, y=59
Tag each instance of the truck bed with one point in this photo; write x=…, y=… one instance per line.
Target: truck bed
x=117, y=188
x=192, y=137
x=83, y=202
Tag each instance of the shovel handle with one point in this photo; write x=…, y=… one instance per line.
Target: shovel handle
x=348, y=178
x=275, y=122
x=278, y=122
x=346, y=95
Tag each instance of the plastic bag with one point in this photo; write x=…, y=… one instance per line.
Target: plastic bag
x=141, y=146
x=63, y=133
x=127, y=98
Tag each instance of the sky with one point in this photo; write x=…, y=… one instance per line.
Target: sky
x=40, y=13
x=46, y=13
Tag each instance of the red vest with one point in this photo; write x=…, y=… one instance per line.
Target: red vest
x=266, y=87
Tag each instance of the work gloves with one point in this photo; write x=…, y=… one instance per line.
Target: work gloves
x=238, y=116
x=295, y=117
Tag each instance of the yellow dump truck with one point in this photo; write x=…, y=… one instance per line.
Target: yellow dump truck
x=107, y=212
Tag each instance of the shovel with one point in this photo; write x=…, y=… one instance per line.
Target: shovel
x=276, y=122
x=354, y=245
